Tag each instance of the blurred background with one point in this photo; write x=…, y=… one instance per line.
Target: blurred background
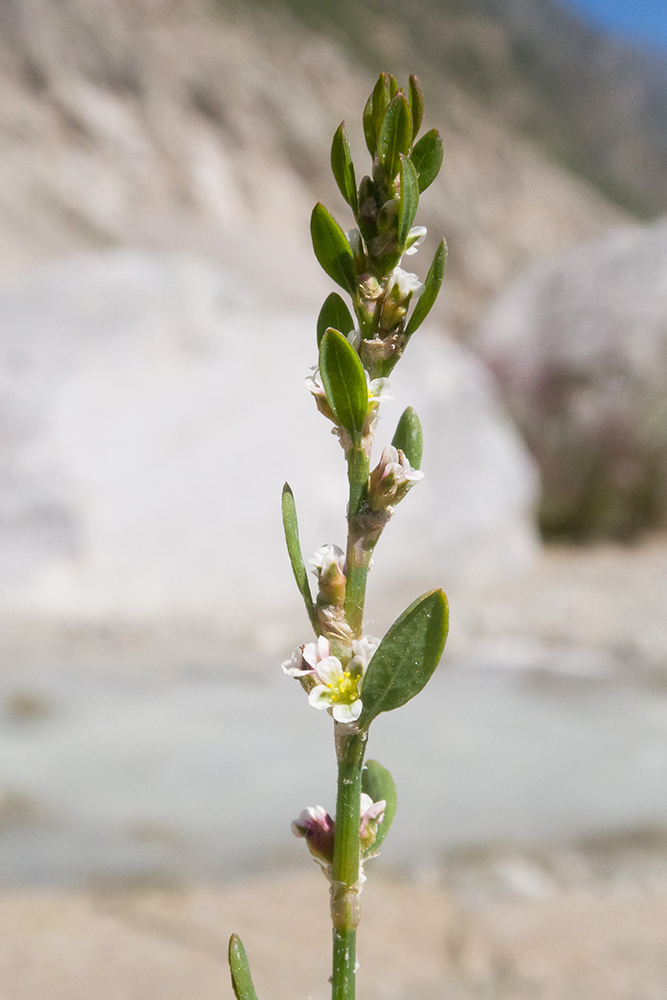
x=159, y=161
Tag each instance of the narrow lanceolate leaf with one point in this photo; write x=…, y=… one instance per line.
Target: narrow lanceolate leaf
x=377, y=782
x=381, y=97
x=343, y=168
x=416, y=99
x=238, y=965
x=335, y=314
x=407, y=656
x=408, y=437
x=291, y=526
x=370, y=134
x=332, y=249
x=431, y=289
x=427, y=158
x=344, y=382
x=407, y=206
x=395, y=135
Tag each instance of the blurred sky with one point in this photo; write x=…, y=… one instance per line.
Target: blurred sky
x=643, y=21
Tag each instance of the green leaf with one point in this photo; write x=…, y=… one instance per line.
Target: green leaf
x=335, y=314
x=381, y=97
x=409, y=199
x=408, y=437
x=370, y=134
x=291, y=527
x=427, y=158
x=344, y=382
x=343, y=168
x=377, y=782
x=395, y=135
x=238, y=965
x=406, y=658
x=431, y=288
x=416, y=99
x=332, y=249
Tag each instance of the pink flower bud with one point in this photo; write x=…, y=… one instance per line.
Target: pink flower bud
x=316, y=826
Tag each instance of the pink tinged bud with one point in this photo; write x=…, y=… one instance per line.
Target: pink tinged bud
x=314, y=385
x=316, y=826
x=296, y=666
x=313, y=652
x=391, y=479
x=329, y=563
x=372, y=814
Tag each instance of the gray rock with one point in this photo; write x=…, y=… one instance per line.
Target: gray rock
x=580, y=350
x=151, y=413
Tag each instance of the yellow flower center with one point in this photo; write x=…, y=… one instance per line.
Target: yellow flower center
x=346, y=690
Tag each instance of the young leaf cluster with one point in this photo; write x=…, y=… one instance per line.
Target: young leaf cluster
x=384, y=205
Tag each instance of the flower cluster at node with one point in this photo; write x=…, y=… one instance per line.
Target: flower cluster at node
x=317, y=828
x=391, y=479
x=330, y=684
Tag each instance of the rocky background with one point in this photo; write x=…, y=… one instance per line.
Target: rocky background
x=158, y=295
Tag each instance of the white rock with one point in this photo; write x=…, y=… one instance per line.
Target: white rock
x=580, y=350
x=151, y=415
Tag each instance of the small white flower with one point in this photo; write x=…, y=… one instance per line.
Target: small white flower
x=402, y=284
x=378, y=390
x=340, y=689
x=325, y=557
x=314, y=383
x=416, y=237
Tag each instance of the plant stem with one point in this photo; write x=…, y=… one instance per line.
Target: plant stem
x=350, y=749
x=357, y=566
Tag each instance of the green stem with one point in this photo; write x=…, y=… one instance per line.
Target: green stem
x=346, y=863
x=357, y=567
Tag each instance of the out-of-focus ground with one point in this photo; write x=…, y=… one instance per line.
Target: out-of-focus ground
x=417, y=940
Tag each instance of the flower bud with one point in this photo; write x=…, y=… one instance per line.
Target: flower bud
x=316, y=826
x=357, y=248
x=372, y=814
x=402, y=287
x=329, y=563
x=388, y=216
x=391, y=479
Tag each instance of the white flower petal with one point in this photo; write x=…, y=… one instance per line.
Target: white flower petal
x=330, y=670
x=416, y=237
x=366, y=802
x=323, y=647
x=320, y=697
x=347, y=713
